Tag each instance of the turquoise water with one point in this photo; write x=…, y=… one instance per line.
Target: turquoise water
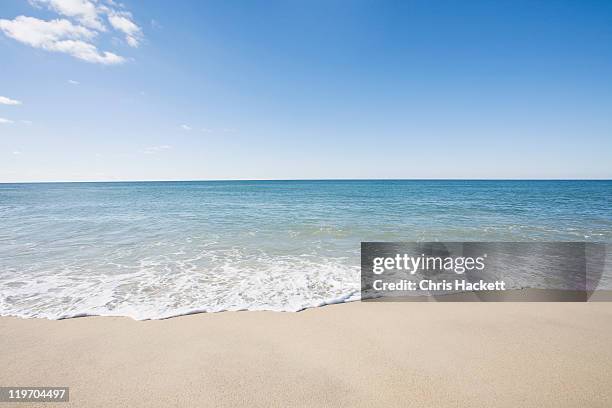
x=160, y=249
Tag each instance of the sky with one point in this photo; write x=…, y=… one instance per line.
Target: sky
x=158, y=90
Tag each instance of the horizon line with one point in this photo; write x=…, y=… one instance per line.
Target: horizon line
x=300, y=179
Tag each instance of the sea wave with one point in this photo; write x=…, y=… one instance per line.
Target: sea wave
x=163, y=287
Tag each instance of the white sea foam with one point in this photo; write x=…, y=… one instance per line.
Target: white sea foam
x=162, y=287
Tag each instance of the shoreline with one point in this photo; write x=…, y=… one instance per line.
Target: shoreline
x=362, y=354
x=511, y=295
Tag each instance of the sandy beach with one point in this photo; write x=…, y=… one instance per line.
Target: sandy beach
x=356, y=354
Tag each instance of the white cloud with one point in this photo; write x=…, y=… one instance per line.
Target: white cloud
x=75, y=34
x=3, y=120
x=185, y=127
x=8, y=101
x=58, y=36
x=122, y=21
x=16, y=152
x=90, y=13
x=84, y=11
x=156, y=149
x=73, y=82
x=88, y=52
x=41, y=33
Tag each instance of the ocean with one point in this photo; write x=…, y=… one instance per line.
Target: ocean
x=153, y=250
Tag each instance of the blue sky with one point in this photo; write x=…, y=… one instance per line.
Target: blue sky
x=101, y=90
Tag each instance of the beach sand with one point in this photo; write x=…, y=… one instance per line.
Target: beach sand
x=356, y=354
